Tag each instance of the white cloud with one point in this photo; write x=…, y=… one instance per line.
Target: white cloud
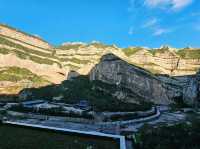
x=150, y=23
x=179, y=4
x=160, y=31
x=172, y=4
x=131, y=31
x=154, y=26
x=155, y=3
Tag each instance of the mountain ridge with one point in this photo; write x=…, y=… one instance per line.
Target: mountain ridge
x=53, y=63
x=114, y=80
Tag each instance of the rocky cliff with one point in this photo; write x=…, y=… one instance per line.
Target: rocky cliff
x=52, y=63
x=12, y=33
x=82, y=57
x=164, y=60
x=191, y=91
x=159, y=89
x=27, y=51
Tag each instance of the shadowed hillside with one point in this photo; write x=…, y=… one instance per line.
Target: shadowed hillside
x=53, y=63
x=113, y=83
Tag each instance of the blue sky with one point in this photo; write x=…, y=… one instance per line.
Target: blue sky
x=149, y=23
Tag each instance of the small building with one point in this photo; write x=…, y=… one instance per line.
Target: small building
x=83, y=104
x=10, y=105
x=46, y=106
x=32, y=103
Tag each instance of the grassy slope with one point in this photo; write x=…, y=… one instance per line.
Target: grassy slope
x=70, y=46
x=15, y=74
x=25, y=138
x=14, y=29
x=189, y=54
x=77, y=46
x=161, y=50
x=183, y=53
x=100, y=45
x=130, y=51
x=26, y=54
x=4, y=51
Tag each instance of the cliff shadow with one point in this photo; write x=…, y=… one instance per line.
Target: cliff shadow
x=92, y=87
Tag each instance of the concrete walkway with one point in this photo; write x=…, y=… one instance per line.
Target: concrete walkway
x=93, y=133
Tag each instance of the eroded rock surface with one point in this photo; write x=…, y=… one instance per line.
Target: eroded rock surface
x=155, y=88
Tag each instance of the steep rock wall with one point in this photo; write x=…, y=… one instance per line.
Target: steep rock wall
x=113, y=70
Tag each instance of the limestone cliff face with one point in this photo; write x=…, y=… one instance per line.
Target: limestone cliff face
x=164, y=60
x=114, y=70
x=82, y=57
x=53, y=63
x=168, y=61
x=191, y=92
x=27, y=38
x=27, y=51
x=198, y=81
x=49, y=72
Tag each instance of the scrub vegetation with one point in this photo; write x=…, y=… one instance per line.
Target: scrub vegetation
x=29, y=138
x=182, y=136
x=82, y=88
x=131, y=50
x=15, y=74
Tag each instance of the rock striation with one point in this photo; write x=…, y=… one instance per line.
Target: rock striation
x=13, y=33
x=163, y=60
x=81, y=57
x=27, y=51
x=149, y=73
x=159, y=89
